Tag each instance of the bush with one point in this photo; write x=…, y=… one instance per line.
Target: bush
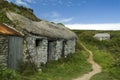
x=7, y=74
x=27, y=68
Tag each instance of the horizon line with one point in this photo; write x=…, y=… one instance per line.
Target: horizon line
x=100, y=26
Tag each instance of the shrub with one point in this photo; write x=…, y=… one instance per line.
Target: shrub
x=7, y=74
x=27, y=68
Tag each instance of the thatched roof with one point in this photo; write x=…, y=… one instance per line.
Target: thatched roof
x=43, y=28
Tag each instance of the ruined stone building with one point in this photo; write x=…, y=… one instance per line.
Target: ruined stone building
x=102, y=36
x=41, y=41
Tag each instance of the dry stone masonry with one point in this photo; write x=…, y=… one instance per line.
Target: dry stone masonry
x=3, y=50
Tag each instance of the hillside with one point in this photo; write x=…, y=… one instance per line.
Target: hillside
x=106, y=53
x=6, y=6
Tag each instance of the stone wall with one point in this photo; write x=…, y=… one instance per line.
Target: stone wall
x=37, y=50
x=55, y=50
x=29, y=49
x=58, y=50
x=69, y=47
x=59, y=47
x=41, y=52
x=3, y=50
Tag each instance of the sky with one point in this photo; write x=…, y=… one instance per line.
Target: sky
x=77, y=14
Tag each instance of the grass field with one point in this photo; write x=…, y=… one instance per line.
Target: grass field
x=106, y=60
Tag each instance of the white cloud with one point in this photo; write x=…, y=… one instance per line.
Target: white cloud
x=29, y=1
x=20, y=2
x=8, y=0
x=56, y=17
x=114, y=26
x=69, y=4
x=23, y=2
x=52, y=15
x=62, y=20
x=55, y=14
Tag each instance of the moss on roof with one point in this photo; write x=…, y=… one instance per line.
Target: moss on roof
x=42, y=28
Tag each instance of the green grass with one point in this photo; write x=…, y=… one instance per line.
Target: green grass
x=73, y=66
x=9, y=6
x=65, y=68
x=106, y=53
x=106, y=60
x=103, y=76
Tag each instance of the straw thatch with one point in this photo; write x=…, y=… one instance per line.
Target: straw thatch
x=43, y=28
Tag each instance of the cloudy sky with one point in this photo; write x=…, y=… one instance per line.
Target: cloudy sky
x=77, y=14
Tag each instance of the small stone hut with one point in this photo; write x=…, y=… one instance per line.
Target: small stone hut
x=40, y=41
x=102, y=36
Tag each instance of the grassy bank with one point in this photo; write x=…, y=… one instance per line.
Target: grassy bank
x=106, y=60
x=106, y=53
x=66, y=69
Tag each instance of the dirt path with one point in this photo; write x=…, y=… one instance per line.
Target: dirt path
x=96, y=68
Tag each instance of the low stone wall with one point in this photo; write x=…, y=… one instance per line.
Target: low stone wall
x=3, y=50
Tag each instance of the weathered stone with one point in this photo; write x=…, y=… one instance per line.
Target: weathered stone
x=37, y=49
x=55, y=49
x=69, y=47
x=41, y=50
x=59, y=47
x=3, y=50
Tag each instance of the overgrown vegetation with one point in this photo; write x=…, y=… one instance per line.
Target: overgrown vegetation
x=9, y=6
x=67, y=68
x=106, y=53
x=4, y=19
x=7, y=74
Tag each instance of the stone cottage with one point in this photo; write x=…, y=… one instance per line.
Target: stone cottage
x=102, y=36
x=40, y=41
